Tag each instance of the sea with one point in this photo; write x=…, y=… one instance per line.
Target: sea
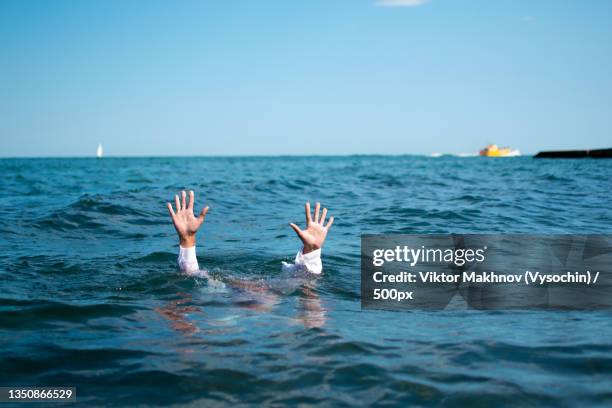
x=90, y=294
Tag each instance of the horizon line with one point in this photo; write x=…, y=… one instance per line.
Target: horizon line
x=93, y=157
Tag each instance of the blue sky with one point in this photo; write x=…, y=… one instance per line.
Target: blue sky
x=241, y=77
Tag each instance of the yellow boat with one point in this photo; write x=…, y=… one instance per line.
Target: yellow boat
x=493, y=150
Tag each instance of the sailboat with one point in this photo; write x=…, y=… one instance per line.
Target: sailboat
x=100, y=151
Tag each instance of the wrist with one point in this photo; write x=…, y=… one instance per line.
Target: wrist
x=187, y=241
x=310, y=248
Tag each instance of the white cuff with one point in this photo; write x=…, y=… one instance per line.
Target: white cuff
x=311, y=261
x=187, y=260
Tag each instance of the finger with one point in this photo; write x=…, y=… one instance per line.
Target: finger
x=329, y=223
x=296, y=229
x=170, y=210
x=316, y=215
x=191, y=199
x=177, y=203
x=323, y=215
x=203, y=214
x=184, y=197
x=307, y=209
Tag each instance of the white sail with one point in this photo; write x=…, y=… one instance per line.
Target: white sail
x=100, y=151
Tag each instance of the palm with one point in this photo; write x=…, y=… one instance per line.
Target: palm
x=316, y=230
x=314, y=234
x=185, y=222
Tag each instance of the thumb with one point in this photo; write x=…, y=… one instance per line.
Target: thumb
x=170, y=210
x=203, y=214
x=297, y=229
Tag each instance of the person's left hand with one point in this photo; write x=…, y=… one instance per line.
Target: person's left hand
x=185, y=223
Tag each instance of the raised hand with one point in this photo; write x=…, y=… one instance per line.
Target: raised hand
x=316, y=230
x=185, y=223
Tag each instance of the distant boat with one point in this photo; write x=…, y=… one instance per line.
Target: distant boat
x=100, y=151
x=493, y=151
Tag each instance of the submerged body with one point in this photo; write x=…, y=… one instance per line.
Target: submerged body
x=311, y=262
x=307, y=262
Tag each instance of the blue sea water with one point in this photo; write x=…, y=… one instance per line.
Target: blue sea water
x=90, y=295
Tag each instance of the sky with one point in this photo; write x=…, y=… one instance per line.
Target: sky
x=323, y=77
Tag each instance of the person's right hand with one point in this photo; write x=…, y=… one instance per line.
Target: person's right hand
x=316, y=230
x=185, y=223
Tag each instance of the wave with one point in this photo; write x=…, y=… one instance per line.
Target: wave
x=30, y=314
x=97, y=213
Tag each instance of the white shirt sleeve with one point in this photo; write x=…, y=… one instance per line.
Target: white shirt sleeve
x=187, y=260
x=310, y=262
